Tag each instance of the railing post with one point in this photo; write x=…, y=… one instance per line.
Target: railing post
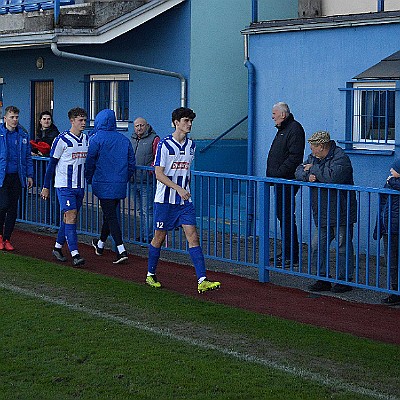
x=263, y=234
x=56, y=12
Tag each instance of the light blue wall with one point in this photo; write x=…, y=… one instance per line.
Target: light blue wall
x=306, y=70
x=218, y=84
x=218, y=78
x=272, y=9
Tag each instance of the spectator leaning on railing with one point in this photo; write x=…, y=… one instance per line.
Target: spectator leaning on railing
x=388, y=223
x=328, y=163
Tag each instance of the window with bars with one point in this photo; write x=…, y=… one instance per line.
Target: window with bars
x=109, y=91
x=373, y=115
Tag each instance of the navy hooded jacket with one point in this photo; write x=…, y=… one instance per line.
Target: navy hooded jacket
x=110, y=161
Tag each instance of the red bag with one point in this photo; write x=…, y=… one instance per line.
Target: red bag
x=43, y=147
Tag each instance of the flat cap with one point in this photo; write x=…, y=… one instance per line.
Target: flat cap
x=319, y=137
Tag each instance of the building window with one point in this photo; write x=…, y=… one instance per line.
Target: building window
x=109, y=91
x=373, y=115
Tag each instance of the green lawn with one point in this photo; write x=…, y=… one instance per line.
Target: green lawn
x=71, y=334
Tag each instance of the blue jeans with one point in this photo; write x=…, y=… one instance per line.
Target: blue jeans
x=345, y=250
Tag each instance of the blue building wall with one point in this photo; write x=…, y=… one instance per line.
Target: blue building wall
x=306, y=69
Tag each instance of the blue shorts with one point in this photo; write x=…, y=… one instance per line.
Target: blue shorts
x=70, y=199
x=170, y=216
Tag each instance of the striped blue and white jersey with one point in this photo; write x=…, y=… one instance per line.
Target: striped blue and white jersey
x=176, y=160
x=71, y=152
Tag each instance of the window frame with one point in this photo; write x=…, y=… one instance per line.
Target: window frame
x=113, y=93
x=355, y=114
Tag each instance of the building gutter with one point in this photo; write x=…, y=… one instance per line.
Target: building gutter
x=346, y=21
x=81, y=57
x=251, y=108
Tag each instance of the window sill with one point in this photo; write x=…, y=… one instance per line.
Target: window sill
x=370, y=152
x=351, y=148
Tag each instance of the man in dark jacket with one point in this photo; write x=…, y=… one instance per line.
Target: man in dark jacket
x=328, y=163
x=144, y=141
x=285, y=154
x=110, y=164
x=388, y=227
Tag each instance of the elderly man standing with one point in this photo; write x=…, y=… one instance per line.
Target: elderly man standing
x=328, y=163
x=144, y=141
x=285, y=154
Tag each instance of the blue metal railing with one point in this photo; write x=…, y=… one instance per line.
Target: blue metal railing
x=19, y=6
x=223, y=134
x=236, y=218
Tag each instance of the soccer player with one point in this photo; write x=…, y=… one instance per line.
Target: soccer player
x=173, y=205
x=67, y=161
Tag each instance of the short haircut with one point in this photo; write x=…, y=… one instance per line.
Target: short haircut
x=283, y=107
x=77, y=112
x=183, y=112
x=39, y=126
x=12, y=109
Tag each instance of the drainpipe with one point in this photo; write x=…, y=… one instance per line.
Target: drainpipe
x=250, y=124
x=381, y=5
x=120, y=64
x=251, y=108
x=254, y=11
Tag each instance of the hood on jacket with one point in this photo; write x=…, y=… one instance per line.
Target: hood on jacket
x=105, y=121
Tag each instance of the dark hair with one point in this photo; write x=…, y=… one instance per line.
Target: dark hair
x=76, y=112
x=183, y=112
x=12, y=109
x=39, y=126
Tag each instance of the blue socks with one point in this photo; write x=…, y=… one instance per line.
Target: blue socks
x=154, y=255
x=72, y=237
x=61, y=234
x=197, y=256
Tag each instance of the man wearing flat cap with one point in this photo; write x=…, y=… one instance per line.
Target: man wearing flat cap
x=334, y=211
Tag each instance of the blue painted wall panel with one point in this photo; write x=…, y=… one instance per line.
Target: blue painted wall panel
x=306, y=69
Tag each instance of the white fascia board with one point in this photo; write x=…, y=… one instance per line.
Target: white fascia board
x=119, y=26
x=102, y=35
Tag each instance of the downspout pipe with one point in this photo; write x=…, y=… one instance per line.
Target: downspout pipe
x=381, y=5
x=254, y=11
x=251, y=110
x=80, y=57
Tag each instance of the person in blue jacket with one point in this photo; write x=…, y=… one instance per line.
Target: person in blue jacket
x=16, y=172
x=388, y=227
x=110, y=164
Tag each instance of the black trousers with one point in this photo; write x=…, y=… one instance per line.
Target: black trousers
x=110, y=221
x=392, y=259
x=285, y=212
x=9, y=195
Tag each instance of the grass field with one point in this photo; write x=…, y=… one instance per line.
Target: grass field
x=70, y=334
